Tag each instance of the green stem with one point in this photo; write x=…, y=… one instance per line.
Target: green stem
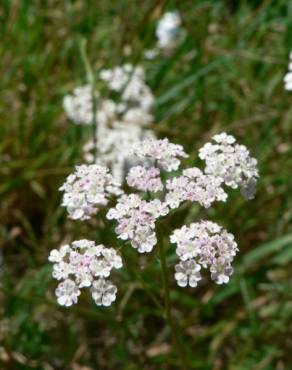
x=91, y=81
x=166, y=288
x=139, y=277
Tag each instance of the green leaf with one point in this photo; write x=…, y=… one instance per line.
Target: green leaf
x=266, y=249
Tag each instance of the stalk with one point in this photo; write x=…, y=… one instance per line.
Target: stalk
x=90, y=76
x=166, y=287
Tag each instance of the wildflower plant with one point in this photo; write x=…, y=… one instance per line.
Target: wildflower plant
x=155, y=187
x=152, y=194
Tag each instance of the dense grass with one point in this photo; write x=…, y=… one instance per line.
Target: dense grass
x=226, y=75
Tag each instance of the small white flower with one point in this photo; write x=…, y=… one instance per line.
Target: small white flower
x=103, y=292
x=58, y=255
x=67, y=293
x=157, y=208
x=144, y=239
x=221, y=271
x=61, y=270
x=187, y=273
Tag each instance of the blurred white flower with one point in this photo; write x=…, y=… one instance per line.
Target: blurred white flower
x=132, y=103
x=168, y=30
x=129, y=82
x=288, y=75
x=151, y=53
x=78, y=105
x=121, y=117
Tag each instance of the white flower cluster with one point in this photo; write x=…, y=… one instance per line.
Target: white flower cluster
x=166, y=154
x=121, y=118
x=288, y=76
x=168, y=30
x=84, y=264
x=200, y=245
x=78, y=105
x=136, y=220
x=129, y=82
x=194, y=186
x=231, y=163
x=203, y=244
x=88, y=188
x=133, y=104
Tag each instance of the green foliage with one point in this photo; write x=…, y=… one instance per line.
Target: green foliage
x=226, y=75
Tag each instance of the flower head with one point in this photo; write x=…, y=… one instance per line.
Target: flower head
x=136, y=220
x=205, y=244
x=83, y=264
x=78, y=105
x=129, y=81
x=231, y=163
x=88, y=188
x=165, y=153
x=194, y=186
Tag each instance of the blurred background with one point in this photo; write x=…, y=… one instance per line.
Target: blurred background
x=226, y=74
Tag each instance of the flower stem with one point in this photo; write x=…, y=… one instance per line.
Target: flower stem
x=91, y=81
x=168, y=315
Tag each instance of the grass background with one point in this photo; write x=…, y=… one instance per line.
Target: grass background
x=226, y=75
